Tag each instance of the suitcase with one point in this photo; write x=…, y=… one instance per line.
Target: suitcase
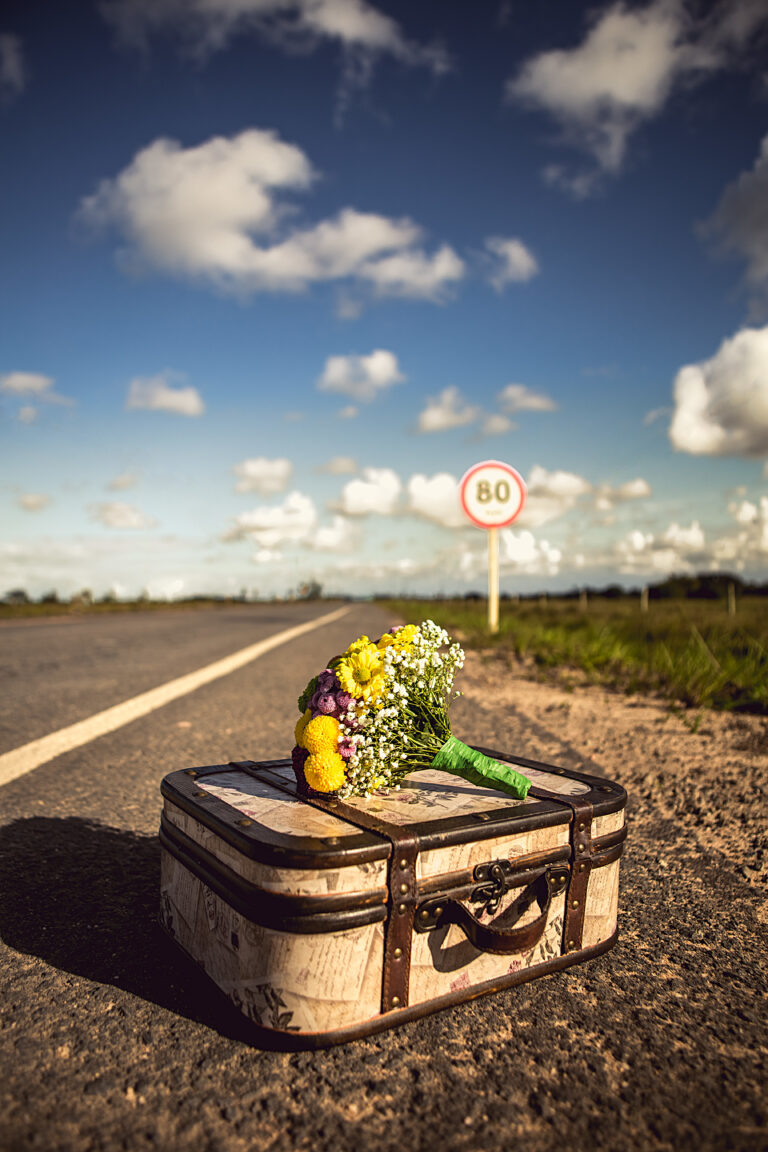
x=327, y=920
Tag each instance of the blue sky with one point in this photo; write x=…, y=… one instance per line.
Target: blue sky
x=277, y=272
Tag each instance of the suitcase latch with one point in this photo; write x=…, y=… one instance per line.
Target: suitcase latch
x=493, y=882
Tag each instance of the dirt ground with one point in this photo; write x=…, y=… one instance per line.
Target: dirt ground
x=707, y=771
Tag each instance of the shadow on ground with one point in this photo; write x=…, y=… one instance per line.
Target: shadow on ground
x=84, y=898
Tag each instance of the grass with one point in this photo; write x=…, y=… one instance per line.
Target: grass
x=689, y=651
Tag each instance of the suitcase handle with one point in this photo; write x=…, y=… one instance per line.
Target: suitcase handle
x=499, y=936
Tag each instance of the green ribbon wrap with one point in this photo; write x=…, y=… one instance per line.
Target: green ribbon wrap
x=461, y=760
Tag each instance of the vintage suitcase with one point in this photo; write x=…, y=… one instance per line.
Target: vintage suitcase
x=324, y=921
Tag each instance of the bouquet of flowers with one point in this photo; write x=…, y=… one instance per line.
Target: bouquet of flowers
x=379, y=711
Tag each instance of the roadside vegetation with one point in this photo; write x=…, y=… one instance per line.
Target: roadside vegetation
x=694, y=652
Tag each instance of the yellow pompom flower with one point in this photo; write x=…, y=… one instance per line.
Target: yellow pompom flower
x=324, y=771
x=301, y=724
x=362, y=673
x=321, y=735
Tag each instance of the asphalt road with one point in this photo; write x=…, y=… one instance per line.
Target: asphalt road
x=110, y=1039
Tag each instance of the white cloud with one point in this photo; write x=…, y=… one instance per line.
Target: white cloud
x=33, y=501
x=349, y=412
x=607, y=497
x=361, y=377
x=116, y=514
x=519, y=398
x=378, y=491
x=272, y=525
x=524, y=553
x=447, y=410
x=513, y=262
x=745, y=512
x=123, y=481
x=267, y=556
x=262, y=475
x=625, y=70
x=741, y=218
x=721, y=405
x=33, y=385
x=359, y=28
x=496, y=424
x=436, y=498
x=210, y=213
x=13, y=74
x=550, y=495
x=689, y=539
x=26, y=384
x=335, y=537
x=157, y=394
x=340, y=466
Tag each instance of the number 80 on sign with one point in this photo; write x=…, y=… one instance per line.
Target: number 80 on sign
x=492, y=494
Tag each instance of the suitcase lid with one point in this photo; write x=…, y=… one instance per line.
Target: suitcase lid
x=254, y=808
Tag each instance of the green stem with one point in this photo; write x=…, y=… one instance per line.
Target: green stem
x=461, y=760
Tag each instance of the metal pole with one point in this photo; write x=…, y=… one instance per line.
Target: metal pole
x=493, y=580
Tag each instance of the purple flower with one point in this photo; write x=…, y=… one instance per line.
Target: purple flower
x=346, y=748
x=343, y=700
x=324, y=704
x=326, y=681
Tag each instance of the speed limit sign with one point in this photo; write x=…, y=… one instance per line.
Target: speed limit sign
x=492, y=494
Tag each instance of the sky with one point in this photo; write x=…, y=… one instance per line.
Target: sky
x=277, y=273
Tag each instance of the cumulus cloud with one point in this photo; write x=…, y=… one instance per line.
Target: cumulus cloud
x=741, y=219
x=378, y=491
x=678, y=549
x=512, y=262
x=33, y=501
x=359, y=28
x=27, y=414
x=259, y=474
x=340, y=466
x=212, y=213
x=335, y=537
x=436, y=498
x=13, y=74
x=361, y=377
x=721, y=404
x=524, y=553
x=116, y=514
x=157, y=394
x=550, y=495
x=272, y=525
x=349, y=412
x=519, y=398
x=447, y=410
x=624, y=71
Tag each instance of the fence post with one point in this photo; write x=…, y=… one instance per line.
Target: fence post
x=644, y=599
x=731, y=598
x=583, y=601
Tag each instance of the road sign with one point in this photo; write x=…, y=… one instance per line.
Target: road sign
x=492, y=495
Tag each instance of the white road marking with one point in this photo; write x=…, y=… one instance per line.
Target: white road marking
x=28, y=756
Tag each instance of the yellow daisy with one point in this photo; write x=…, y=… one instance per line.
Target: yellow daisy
x=362, y=673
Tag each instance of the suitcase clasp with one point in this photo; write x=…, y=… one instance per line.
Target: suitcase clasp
x=493, y=882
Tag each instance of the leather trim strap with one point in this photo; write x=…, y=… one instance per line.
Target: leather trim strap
x=582, y=811
x=401, y=881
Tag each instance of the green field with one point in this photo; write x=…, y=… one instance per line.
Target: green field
x=690, y=651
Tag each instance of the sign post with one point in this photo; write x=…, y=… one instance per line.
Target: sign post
x=492, y=495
